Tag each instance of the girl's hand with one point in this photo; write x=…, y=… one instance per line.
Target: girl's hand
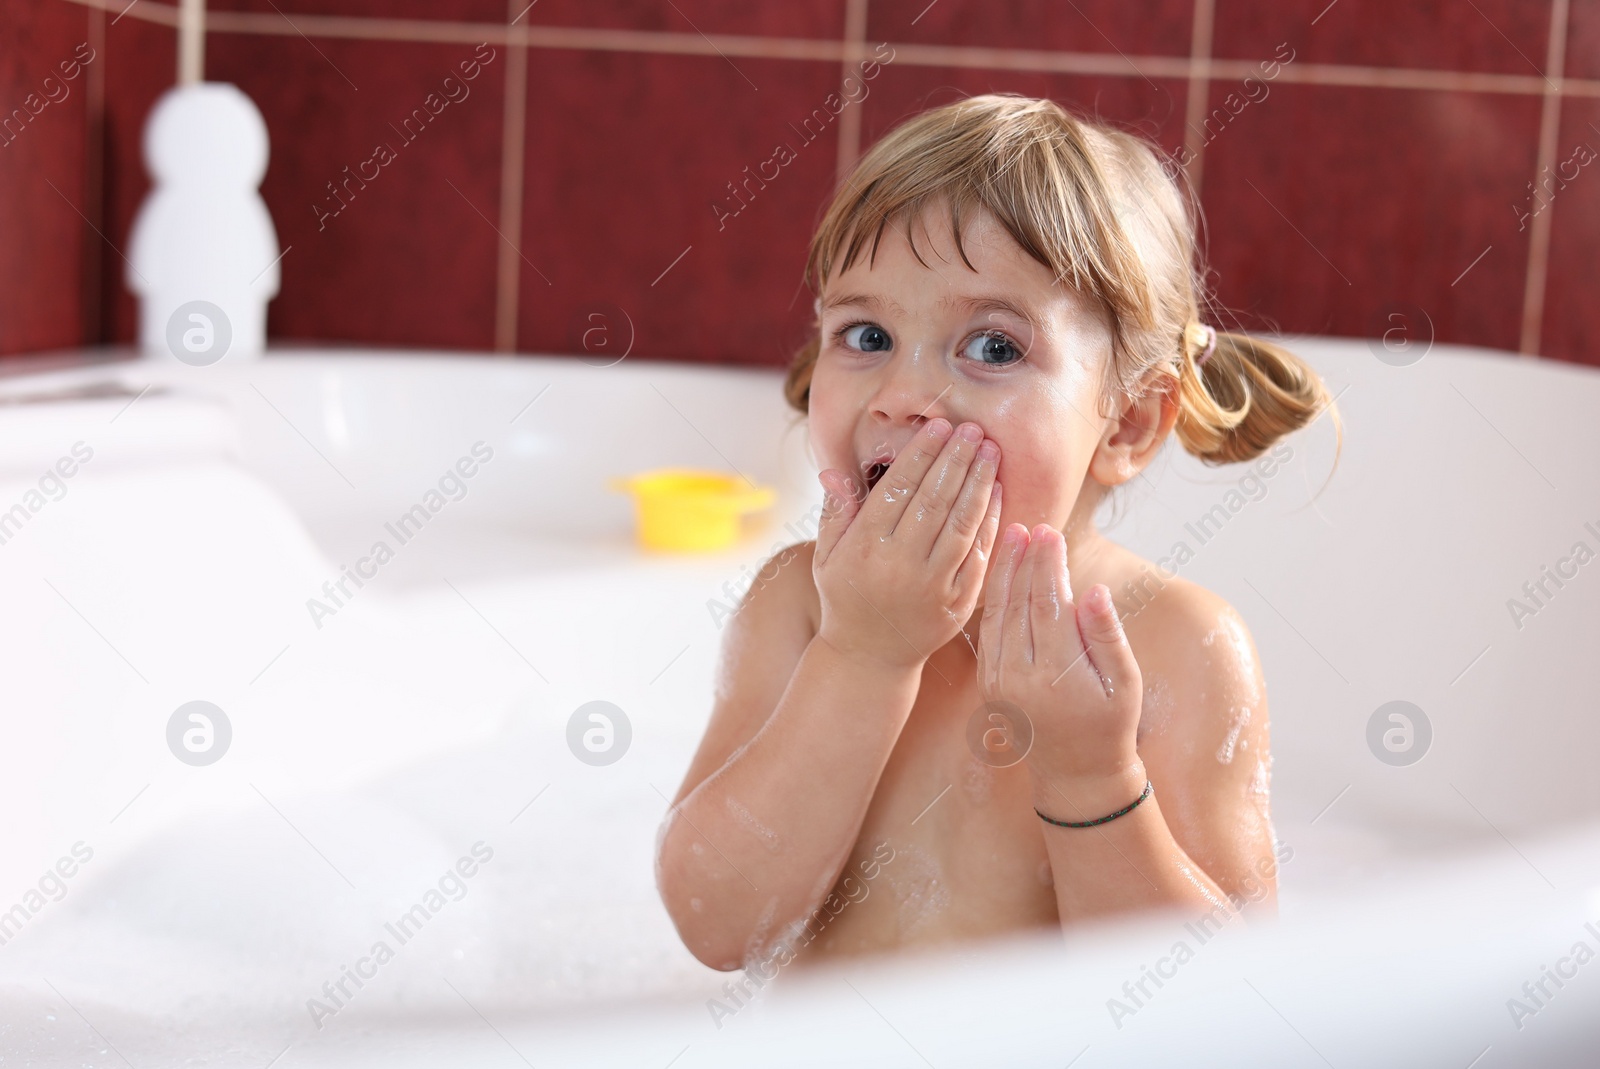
x=899, y=568
x=1067, y=667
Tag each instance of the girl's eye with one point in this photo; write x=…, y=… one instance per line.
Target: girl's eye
x=866, y=337
x=993, y=349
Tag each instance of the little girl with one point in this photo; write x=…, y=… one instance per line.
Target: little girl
x=933, y=723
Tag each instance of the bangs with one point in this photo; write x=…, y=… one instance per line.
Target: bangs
x=1029, y=164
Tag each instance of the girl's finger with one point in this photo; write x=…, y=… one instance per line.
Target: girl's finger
x=1055, y=631
x=924, y=519
x=887, y=501
x=977, y=559
x=996, y=594
x=1103, y=636
x=960, y=527
x=839, y=507
x=1018, y=626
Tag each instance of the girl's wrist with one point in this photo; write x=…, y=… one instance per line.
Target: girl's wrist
x=868, y=660
x=1087, y=795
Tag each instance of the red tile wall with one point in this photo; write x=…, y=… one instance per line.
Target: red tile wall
x=141, y=61
x=1390, y=161
x=408, y=258
x=43, y=175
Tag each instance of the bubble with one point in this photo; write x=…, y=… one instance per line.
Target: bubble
x=977, y=781
x=748, y=819
x=1399, y=733
x=1260, y=788
x=1156, y=709
x=920, y=893
x=599, y=733
x=199, y=733
x=1241, y=717
x=199, y=333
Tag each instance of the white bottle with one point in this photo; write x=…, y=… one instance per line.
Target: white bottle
x=203, y=254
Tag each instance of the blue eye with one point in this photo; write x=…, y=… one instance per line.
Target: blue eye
x=867, y=337
x=993, y=349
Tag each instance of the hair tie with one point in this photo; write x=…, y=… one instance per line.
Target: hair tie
x=1210, y=344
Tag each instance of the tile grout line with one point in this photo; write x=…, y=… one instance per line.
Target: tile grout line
x=1199, y=92
x=1199, y=68
x=191, y=42
x=1549, y=130
x=855, y=38
x=513, y=136
x=798, y=48
x=160, y=14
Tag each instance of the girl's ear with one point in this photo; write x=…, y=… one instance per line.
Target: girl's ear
x=1132, y=441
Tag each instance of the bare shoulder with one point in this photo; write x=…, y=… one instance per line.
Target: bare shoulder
x=1199, y=665
x=761, y=643
x=1192, y=637
x=1203, y=729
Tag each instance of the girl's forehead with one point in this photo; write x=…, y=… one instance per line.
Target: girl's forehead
x=987, y=257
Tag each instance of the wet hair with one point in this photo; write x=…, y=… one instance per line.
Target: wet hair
x=1094, y=204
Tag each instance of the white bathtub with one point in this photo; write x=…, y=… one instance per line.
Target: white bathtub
x=429, y=712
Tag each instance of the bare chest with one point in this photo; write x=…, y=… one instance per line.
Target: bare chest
x=950, y=847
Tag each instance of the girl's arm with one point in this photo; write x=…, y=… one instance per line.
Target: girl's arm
x=809, y=714
x=773, y=804
x=1070, y=668
x=1203, y=841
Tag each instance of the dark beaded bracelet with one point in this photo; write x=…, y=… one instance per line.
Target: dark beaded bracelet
x=1091, y=823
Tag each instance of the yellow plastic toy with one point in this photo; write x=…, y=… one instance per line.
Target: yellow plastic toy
x=684, y=510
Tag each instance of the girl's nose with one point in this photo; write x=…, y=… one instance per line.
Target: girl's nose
x=913, y=391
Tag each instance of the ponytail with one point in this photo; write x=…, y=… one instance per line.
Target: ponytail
x=1245, y=395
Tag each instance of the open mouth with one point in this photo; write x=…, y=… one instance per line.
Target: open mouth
x=874, y=472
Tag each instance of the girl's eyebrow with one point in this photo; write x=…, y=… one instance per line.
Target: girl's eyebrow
x=987, y=304
x=867, y=300
x=971, y=304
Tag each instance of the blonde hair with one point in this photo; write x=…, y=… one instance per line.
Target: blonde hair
x=1094, y=205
